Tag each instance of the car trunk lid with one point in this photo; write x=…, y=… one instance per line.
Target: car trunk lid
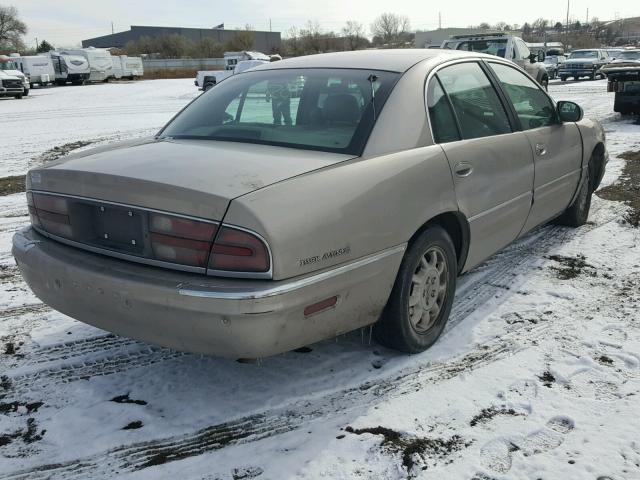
x=191, y=177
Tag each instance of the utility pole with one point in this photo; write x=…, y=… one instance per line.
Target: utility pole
x=567, y=36
x=439, y=20
x=269, y=24
x=112, y=28
x=587, y=22
x=37, y=44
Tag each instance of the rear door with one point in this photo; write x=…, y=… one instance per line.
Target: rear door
x=556, y=146
x=492, y=165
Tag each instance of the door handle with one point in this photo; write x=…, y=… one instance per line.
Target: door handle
x=463, y=169
x=541, y=149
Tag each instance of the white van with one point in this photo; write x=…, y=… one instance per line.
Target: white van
x=70, y=68
x=100, y=63
x=10, y=67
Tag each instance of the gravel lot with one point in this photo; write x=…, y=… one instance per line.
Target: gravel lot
x=537, y=375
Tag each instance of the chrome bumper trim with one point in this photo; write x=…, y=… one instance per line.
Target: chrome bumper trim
x=287, y=287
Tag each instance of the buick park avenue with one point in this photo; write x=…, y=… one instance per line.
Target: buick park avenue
x=258, y=221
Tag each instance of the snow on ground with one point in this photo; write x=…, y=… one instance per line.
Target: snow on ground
x=55, y=116
x=537, y=375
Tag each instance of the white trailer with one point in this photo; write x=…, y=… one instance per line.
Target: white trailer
x=39, y=69
x=127, y=67
x=70, y=68
x=100, y=63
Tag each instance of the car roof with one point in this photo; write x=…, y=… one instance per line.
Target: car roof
x=391, y=60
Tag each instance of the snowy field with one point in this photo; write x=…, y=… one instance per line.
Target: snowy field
x=536, y=377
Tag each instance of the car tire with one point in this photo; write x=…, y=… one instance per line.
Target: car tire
x=427, y=276
x=576, y=215
x=563, y=79
x=26, y=92
x=18, y=97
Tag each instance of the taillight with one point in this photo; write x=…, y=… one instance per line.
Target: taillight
x=181, y=240
x=50, y=213
x=239, y=251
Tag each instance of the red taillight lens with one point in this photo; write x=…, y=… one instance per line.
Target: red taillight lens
x=181, y=240
x=50, y=213
x=239, y=251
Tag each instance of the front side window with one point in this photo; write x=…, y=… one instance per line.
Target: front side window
x=443, y=123
x=477, y=106
x=318, y=109
x=633, y=55
x=523, y=50
x=533, y=107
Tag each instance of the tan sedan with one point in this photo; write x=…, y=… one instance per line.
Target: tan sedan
x=259, y=220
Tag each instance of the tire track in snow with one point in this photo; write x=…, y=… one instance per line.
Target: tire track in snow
x=251, y=428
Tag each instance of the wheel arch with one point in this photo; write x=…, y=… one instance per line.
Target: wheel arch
x=457, y=226
x=597, y=162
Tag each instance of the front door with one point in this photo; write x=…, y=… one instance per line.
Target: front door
x=492, y=166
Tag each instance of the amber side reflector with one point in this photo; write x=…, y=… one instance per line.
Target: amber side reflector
x=320, y=306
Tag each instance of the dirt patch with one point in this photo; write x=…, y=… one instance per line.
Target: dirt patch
x=133, y=425
x=487, y=414
x=126, y=399
x=571, y=267
x=10, y=185
x=27, y=435
x=61, y=150
x=547, y=379
x=627, y=189
x=14, y=407
x=426, y=451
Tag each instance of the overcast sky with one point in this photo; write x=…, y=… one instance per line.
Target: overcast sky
x=67, y=22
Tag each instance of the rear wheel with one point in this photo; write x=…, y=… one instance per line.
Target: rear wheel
x=422, y=295
x=18, y=97
x=576, y=215
x=563, y=79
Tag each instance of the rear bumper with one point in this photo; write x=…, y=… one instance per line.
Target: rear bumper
x=190, y=312
x=583, y=72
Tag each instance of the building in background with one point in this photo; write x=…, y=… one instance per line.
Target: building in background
x=262, y=41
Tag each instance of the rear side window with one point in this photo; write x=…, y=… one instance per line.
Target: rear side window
x=476, y=104
x=533, y=107
x=443, y=123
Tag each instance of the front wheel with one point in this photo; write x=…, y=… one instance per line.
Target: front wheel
x=422, y=295
x=563, y=79
x=545, y=84
x=26, y=92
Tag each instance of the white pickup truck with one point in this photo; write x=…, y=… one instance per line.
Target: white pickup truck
x=235, y=62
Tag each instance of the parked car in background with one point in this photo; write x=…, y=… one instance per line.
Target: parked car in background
x=70, y=68
x=230, y=233
x=614, y=52
x=10, y=67
x=623, y=74
x=552, y=63
x=584, y=63
x=506, y=46
x=235, y=62
x=11, y=86
x=38, y=68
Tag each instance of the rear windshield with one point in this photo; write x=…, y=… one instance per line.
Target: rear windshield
x=331, y=110
x=494, y=46
x=584, y=54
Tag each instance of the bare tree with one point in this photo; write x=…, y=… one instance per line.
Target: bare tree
x=500, y=26
x=484, y=26
x=540, y=26
x=312, y=38
x=353, y=33
x=11, y=28
x=241, y=40
x=390, y=28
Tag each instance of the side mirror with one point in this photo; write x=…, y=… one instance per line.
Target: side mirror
x=569, y=112
x=533, y=57
x=541, y=56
